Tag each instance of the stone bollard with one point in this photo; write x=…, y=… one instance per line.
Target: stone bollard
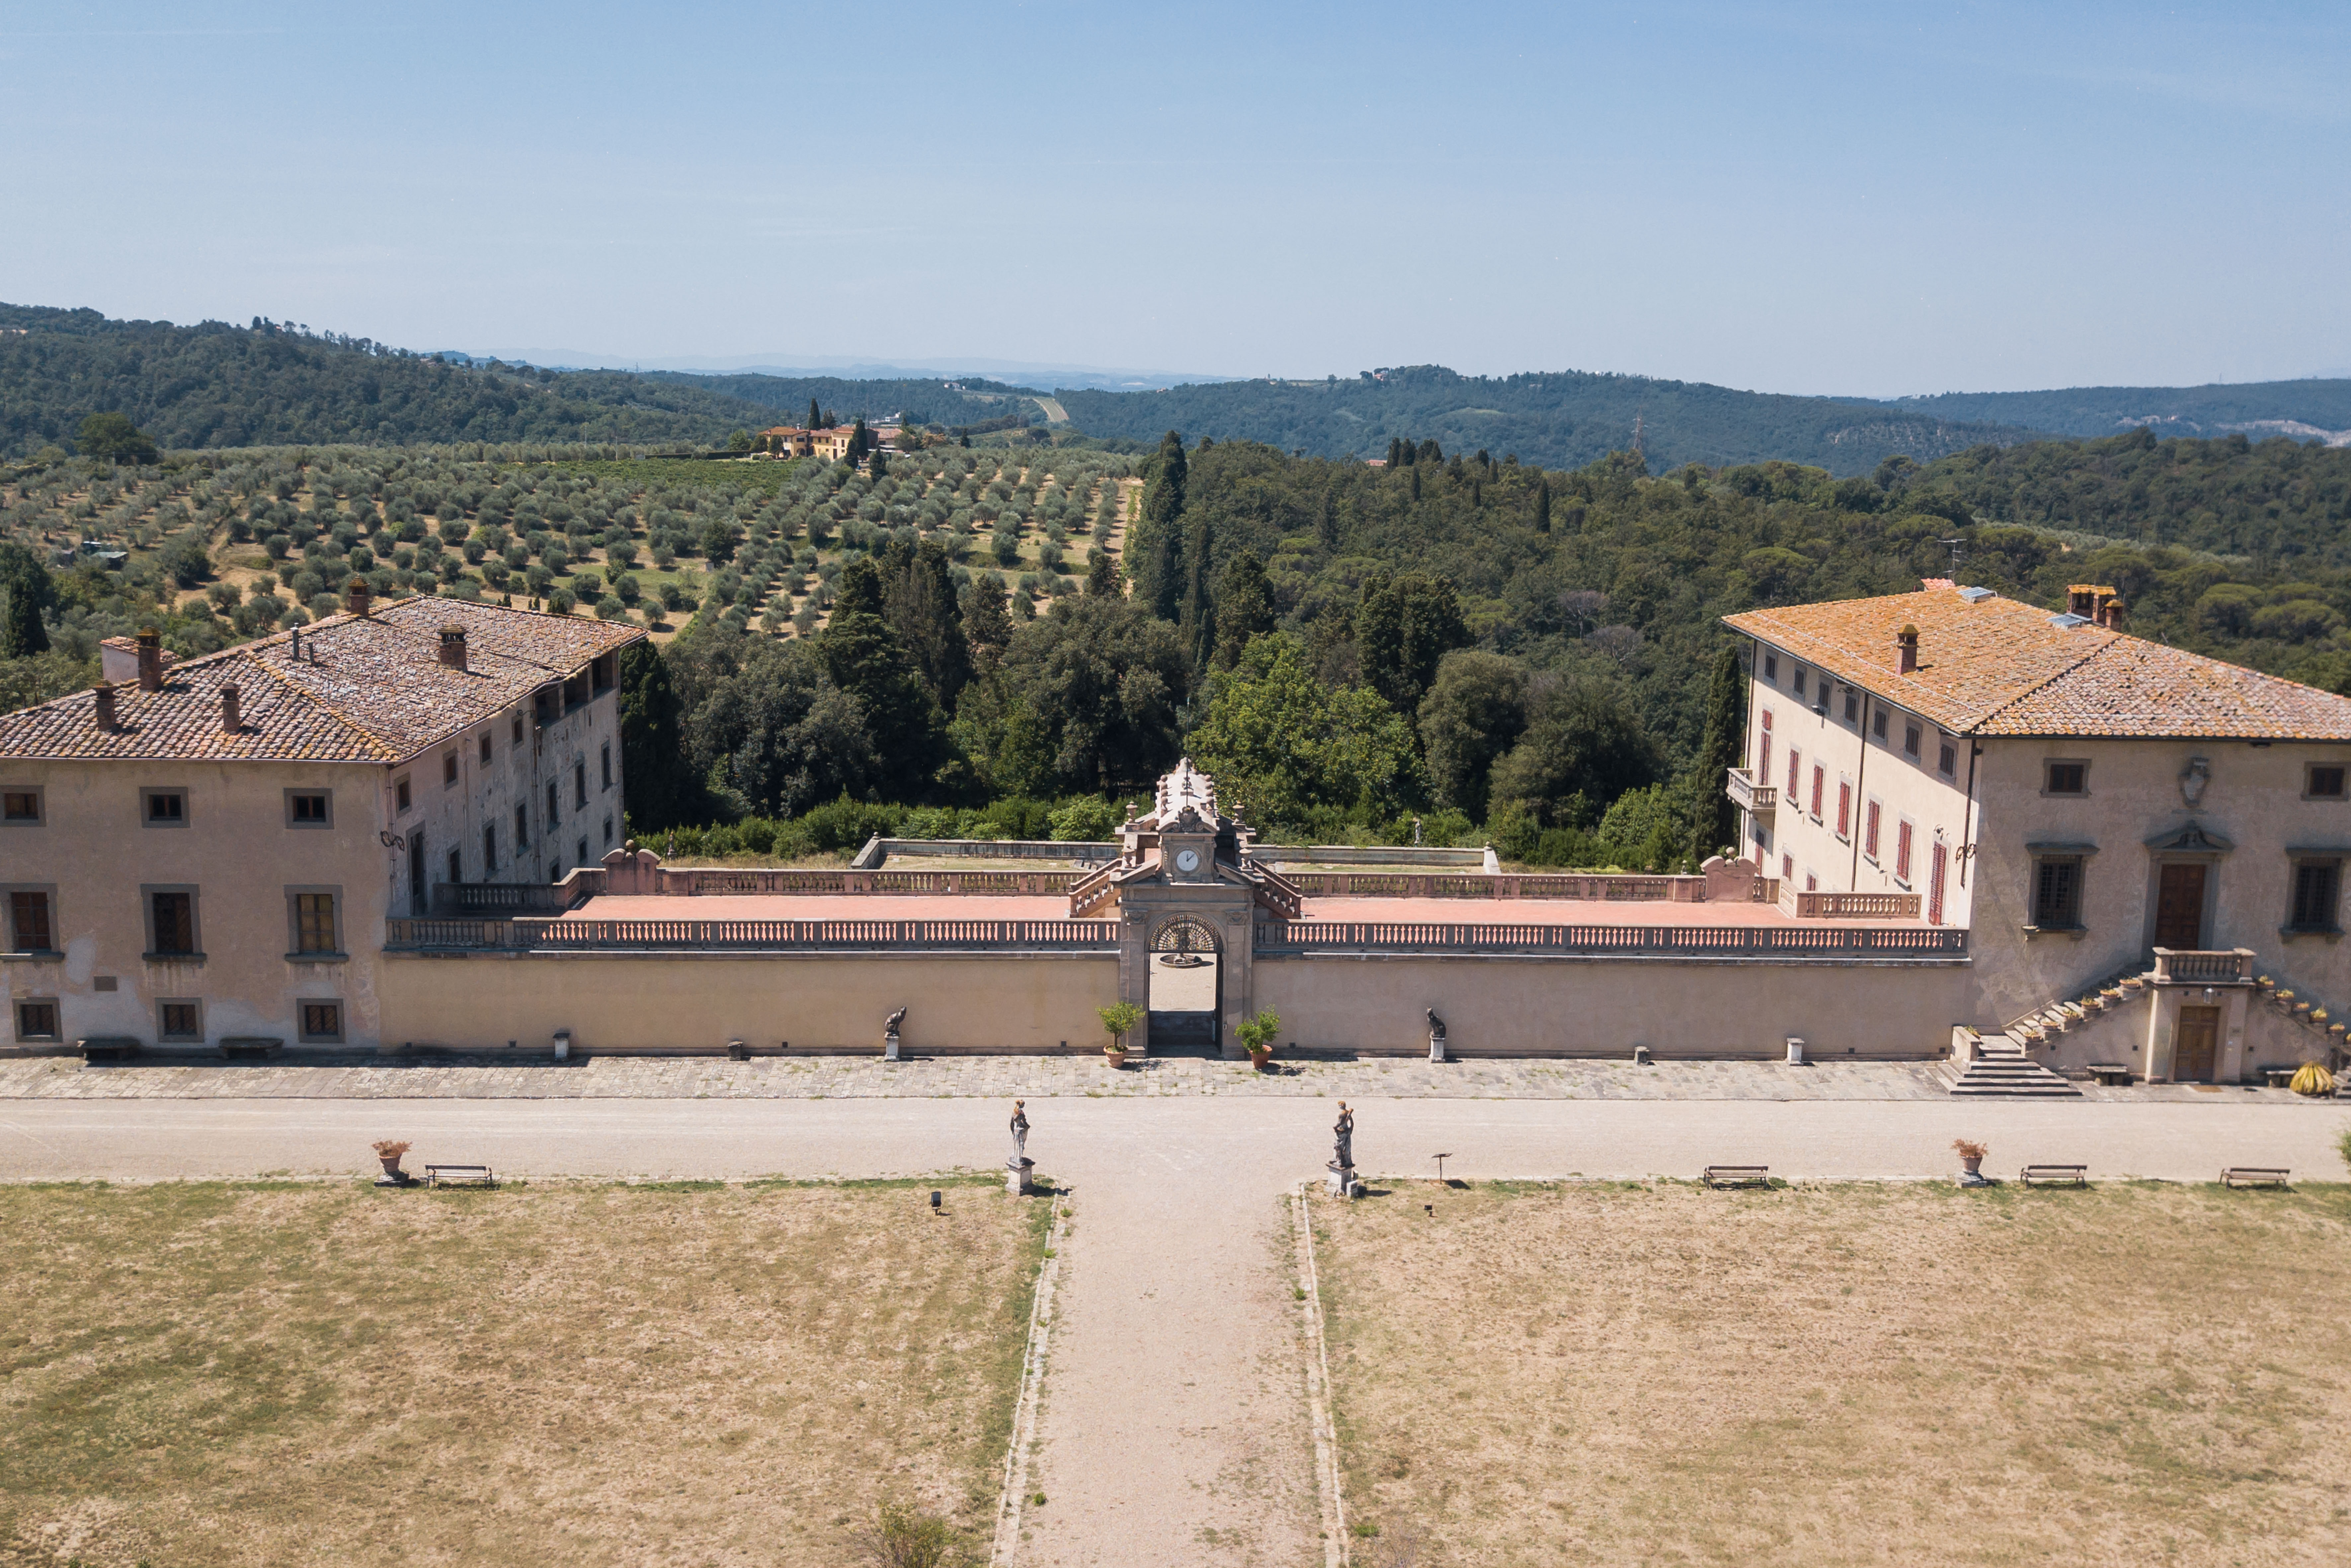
x=1795, y=1051
x=1018, y=1177
x=890, y=1046
x=1641, y=1056
x=1436, y=1045
x=563, y=1045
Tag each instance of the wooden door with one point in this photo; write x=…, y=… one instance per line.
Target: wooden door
x=2197, y=1046
x=2180, y=906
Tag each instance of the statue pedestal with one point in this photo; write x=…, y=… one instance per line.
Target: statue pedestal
x=1437, y=1047
x=1017, y=1176
x=1341, y=1179
x=890, y=1047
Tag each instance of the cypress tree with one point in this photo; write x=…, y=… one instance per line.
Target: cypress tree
x=1713, y=823
x=663, y=791
x=26, y=589
x=1158, y=553
x=1542, y=506
x=1416, y=481
x=812, y=414
x=1244, y=607
x=1326, y=525
x=1200, y=621
x=986, y=622
x=918, y=598
x=1103, y=579
x=866, y=660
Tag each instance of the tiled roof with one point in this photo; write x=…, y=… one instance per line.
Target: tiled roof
x=364, y=689
x=1997, y=666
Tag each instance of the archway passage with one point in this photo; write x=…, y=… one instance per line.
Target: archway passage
x=1187, y=985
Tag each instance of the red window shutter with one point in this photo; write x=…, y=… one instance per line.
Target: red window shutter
x=1820, y=775
x=1902, y=852
x=1935, y=886
x=1869, y=837
x=1844, y=810
x=1796, y=762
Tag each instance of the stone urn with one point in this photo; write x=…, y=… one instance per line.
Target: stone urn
x=1973, y=1166
x=388, y=1153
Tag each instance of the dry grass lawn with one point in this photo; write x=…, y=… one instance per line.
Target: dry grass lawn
x=573, y=1374
x=1600, y=1373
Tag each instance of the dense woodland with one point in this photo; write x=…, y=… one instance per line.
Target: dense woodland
x=2258, y=408
x=1017, y=641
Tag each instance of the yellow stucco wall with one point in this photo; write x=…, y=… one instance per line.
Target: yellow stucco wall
x=1553, y=1007
x=976, y=1002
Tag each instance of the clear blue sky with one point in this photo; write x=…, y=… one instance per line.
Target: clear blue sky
x=1877, y=198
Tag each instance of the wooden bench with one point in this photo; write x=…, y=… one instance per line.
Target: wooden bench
x=2252, y=1176
x=2055, y=1175
x=441, y=1175
x=1737, y=1175
x=250, y=1047
x=108, y=1047
x=2111, y=1074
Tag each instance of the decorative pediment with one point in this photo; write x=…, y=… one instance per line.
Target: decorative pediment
x=2194, y=839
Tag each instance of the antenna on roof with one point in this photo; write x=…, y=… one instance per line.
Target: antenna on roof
x=1958, y=549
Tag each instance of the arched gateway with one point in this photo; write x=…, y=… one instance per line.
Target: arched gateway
x=1186, y=893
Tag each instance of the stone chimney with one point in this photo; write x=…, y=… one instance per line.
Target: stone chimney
x=2110, y=615
x=151, y=660
x=453, y=647
x=1906, y=651
x=106, y=719
x=357, y=598
x=231, y=721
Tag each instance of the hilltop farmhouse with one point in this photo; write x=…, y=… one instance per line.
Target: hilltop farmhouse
x=1973, y=829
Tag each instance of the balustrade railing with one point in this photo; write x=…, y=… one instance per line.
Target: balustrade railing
x=1747, y=795
x=1856, y=906
x=1277, y=938
x=756, y=879
x=577, y=935
x=1598, y=887
x=2183, y=967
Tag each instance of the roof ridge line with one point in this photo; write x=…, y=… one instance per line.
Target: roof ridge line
x=2113, y=637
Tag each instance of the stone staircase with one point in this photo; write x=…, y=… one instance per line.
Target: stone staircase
x=2001, y=1069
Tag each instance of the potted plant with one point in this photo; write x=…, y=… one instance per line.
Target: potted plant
x=388, y=1151
x=1117, y=1021
x=1971, y=1159
x=1257, y=1037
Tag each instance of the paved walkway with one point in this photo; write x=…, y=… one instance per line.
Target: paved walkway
x=1006, y=1076
x=1173, y=1425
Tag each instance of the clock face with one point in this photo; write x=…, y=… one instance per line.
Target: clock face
x=1188, y=860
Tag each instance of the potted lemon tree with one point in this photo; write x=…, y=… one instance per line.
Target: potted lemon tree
x=1257, y=1037
x=1118, y=1021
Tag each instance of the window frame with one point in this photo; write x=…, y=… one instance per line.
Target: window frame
x=1853, y=707
x=57, y=1029
x=489, y=849
x=2049, y=766
x=1906, y=845
x=485, y=748
x=608, y=829
x=302, y=1030
x=1796, y=682
x=1914, y=743
x=1873, y=818
x=2298, y=863
x=1819, y=787
x=1771, y=668
x=580, y=784
x=148, y=891
x=2310, y=791
x=151, y=793
x=327, y=822
x=522, y=829
x=449, y=769
x=295, y=952
x=515, y=740
x=40, y=817
x=48, y=892
x=163, y=1034
x=554, y=808
x=2039, y=864
x=403, y=799
x=1946, y=759
x=608, y=764
x=1844, y=810
x=1877, y=722
x=1795, y=778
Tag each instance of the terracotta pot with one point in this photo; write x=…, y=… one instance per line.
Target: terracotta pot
x=1972, y=1163
x=1117, y=1058
x=391, y=1164
x=1260, y=1056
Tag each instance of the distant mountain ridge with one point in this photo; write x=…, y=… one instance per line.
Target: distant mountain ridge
x=2312, y=409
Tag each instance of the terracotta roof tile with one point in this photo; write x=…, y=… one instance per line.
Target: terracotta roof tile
x=1997, y=666
x=365, y=689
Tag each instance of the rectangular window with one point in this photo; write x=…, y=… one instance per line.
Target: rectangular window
x=164, y=807
x=608, y=764
x=314, y=924
x=400, y=794
x=489, y=849
x=2316, y=885
x=1851, y=705
x=1812, y=882
x=2066, y=779
x=1946, y=761
x=322, y=1021
x=1902, y=836
x=1878, y=723
x=607, y=832
x=171, y=922
x=1820, y=775
x=1911, y=736
x=1798, y=683
x=583, y=853
x=522, y=828
x=22, y=807
x=580, y=785
x=182, y=1019
x=1771, y=668
x=2323, y=782
x=36, y=1018
x=553, y=816
x=448, y=768
x=1935, y=874
x=1869, y=831
x=30, y=929
x=1763, y=751
x=1787, y=868
x=2057, y=891
x=486, y=748
x=456, y=867
x=518, y=729
x=1795, y=772
x=1844, y=808
x=309, y=808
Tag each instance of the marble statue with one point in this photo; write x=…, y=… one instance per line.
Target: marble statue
x=1435, y=1024
x=1020, y=1131
x=1343, y=1139
x=890, y=1025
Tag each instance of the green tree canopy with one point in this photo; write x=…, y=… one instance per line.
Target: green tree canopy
x=1472, y=715
x=1283, y=742
x=112, y=437
x=1404, y=626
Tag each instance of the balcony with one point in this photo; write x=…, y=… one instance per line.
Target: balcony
x=1755, y=799
x=2225, y=967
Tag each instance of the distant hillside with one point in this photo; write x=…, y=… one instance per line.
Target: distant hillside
x=2304, y=409
x=1557, y=419
x=219, y=385
x=786, y=398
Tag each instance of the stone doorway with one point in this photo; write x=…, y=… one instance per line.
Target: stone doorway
x=2180, y=905
x=2196, y=1048
x=1187, y=985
